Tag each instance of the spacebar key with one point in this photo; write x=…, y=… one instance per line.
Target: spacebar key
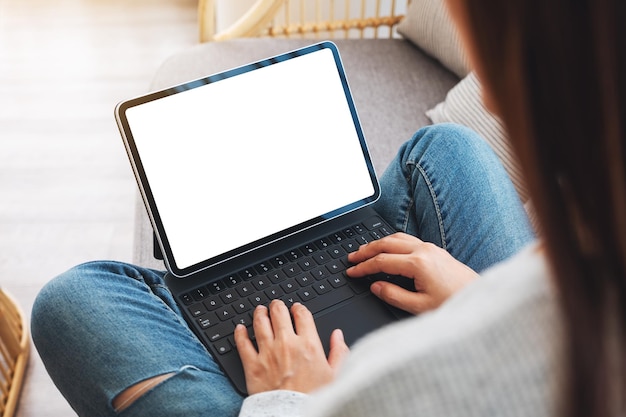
x=329, y=299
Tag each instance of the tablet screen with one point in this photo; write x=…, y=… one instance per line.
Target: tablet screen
x=242, y=158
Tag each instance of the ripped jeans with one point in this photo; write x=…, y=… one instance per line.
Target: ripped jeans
x=105, y=326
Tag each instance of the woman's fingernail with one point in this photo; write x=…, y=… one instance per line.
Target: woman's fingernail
x=375, y=288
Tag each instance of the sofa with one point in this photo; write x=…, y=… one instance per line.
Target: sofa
x=399, y=85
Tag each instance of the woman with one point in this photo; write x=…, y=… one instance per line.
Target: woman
x=555, y=71
x=542, y=333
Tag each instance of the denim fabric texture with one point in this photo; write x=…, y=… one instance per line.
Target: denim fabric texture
x=447, y=186
x=104, y=326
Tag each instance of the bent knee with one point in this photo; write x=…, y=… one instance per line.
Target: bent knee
x=66, y=296
x=446, y=137
x=445, y=143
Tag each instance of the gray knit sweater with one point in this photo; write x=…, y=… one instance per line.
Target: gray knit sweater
x=493, y=349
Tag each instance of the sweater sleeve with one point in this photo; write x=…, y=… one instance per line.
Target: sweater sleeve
x=273, y=403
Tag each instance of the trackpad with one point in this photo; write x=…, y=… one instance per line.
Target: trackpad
x=355, y=319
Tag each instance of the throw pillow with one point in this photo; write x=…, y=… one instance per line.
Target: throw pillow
x=427, y=24
x=464, y=105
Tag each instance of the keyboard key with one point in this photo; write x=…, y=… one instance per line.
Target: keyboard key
x=261, y=283
x=384, y=231
x=337, y=281
x=373, y=223
x=220, y=331
x=277, y=276
x=307, y=264
x=350, y=246
x=375, y=235
x=335, y=266
x=292, y=270
x=322, y=243
x=336, y=252
x=241, y=306
x=245, y=319
x=233, y=280
x=308, y=249
x=290, y=299
x=248, y=273
x=319, y=273
x=358, y=228
x=197, y=309
x=225, y=313
x=363, y=239
x=212, y=302
x=305, y=279
x=245, y=289
x=307, y=294
x=337, y=237
x=187, y=299
x=321, y=257
x=289, y=286
x=263, y=268
x=257, y=299
x=293, y=255
x=279, y=262
x=274, y=292
x=229, y=296
x=199, y=294
x=322, y=287
x=207, y=320
x=222, y=346
x=348, y=232
x=217, y=286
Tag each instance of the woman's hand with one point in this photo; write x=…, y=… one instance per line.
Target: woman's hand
x=287, y=358
x=435, y=273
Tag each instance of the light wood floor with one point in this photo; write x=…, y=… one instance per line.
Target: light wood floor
x=66, y=190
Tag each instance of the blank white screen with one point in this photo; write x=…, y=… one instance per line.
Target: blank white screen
x=236, y=160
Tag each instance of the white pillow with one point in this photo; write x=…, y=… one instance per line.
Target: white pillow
x=428, y=25
x=464, y=105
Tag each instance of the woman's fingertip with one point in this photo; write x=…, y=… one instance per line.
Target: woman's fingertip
x=340, y=335
x=376, y=288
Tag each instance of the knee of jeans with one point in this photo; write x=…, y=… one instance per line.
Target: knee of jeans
x=61, y=297
x=447, y=142
x=445, y=135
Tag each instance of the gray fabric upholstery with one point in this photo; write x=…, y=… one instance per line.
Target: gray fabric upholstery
x=393, y=84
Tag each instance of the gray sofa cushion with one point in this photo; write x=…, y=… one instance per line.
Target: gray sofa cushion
x=393, y=84
x=427, y=24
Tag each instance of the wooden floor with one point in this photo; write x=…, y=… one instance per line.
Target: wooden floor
x=66, y=190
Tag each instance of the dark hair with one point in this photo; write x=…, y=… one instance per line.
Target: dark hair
x=555, y=71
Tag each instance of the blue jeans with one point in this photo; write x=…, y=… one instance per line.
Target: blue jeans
x=105, y=326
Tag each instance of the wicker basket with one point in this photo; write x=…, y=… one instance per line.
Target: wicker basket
x=14, y=353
